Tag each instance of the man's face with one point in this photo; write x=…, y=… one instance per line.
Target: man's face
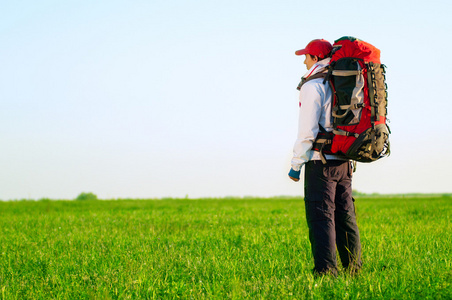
x=309, y=62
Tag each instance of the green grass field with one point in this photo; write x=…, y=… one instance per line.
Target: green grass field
x=216, y=249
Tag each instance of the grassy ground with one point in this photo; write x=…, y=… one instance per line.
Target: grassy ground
x=216, y=249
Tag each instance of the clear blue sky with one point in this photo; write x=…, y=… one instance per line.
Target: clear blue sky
x=168, y=98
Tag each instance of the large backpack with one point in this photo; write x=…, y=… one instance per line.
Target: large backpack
x=359, y=107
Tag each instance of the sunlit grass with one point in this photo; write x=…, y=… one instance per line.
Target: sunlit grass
x=216, y=248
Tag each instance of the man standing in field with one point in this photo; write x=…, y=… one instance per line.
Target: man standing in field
x=330, y=211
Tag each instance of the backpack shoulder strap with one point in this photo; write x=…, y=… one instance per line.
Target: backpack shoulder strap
x=315, y=76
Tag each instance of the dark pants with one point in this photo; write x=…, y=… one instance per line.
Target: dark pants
x=330, y=213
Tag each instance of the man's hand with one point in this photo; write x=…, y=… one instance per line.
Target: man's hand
x=294, y=175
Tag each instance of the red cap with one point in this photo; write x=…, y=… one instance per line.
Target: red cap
x=319, y=47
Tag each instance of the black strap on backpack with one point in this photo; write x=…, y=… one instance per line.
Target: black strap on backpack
x=323, y=142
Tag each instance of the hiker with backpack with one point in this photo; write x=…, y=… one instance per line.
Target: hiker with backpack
x=330, y=210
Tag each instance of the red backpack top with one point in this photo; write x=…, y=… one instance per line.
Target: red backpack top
x=351, y=47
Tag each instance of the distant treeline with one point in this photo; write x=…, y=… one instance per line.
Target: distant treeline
x=356, y=194
x=410, y=195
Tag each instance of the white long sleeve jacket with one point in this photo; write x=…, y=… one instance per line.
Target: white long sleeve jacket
x=315, y=108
